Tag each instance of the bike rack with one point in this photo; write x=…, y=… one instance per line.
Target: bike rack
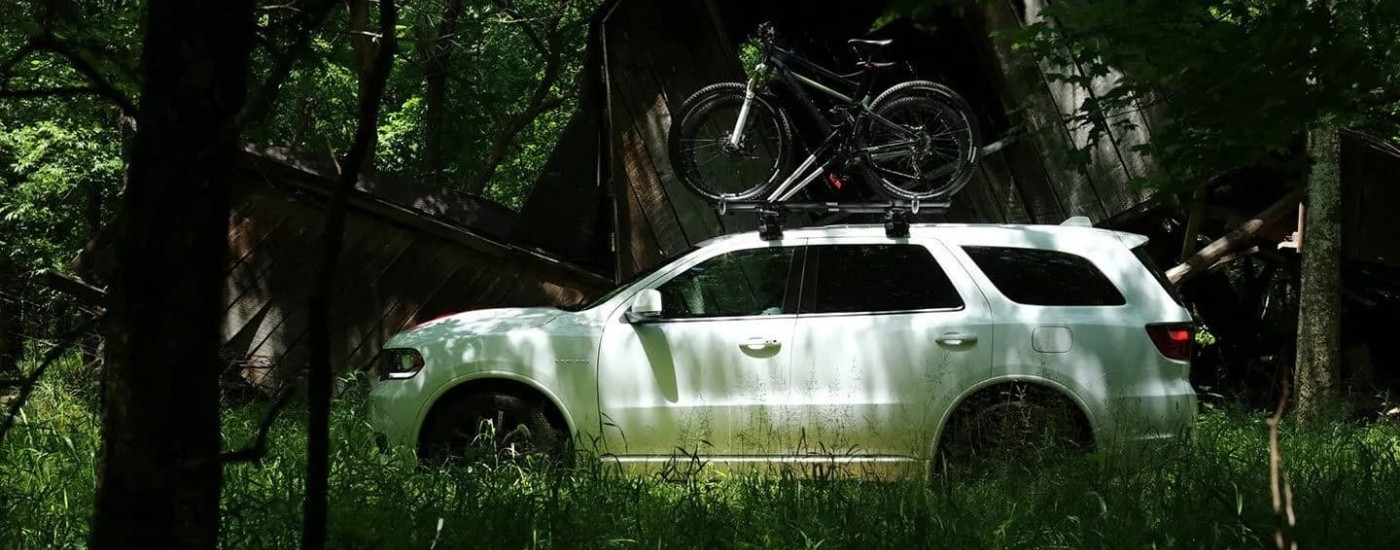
x=771, y=214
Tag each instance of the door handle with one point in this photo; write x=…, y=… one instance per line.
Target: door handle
x=956, y=339
x=758, y=343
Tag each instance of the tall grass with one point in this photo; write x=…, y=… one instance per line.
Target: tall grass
x=1214, y=494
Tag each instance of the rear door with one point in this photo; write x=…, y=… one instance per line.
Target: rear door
x=882, y=331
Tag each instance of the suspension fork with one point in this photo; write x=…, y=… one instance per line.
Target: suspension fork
x=737, y=135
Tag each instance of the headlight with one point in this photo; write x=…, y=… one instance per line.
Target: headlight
x=399, y=363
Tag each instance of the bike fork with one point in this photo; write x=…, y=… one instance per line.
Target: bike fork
x=737, y=135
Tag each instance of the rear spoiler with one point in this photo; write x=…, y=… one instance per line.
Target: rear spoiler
x=1131, y=240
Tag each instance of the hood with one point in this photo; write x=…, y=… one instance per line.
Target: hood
x=480, y=321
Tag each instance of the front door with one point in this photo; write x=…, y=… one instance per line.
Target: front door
x=710, y=375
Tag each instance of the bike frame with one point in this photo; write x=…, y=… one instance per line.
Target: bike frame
x=781, y=62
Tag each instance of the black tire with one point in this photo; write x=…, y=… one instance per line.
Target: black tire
x=702, y=158
x=1014, y=425
x=946, y=141
x=521, y=430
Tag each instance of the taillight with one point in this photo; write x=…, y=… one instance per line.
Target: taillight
x=1173, y=339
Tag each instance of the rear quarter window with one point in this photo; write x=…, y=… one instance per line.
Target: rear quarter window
x=1152, y=267
x=1039, y=277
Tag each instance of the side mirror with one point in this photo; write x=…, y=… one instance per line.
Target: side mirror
x=645, y=306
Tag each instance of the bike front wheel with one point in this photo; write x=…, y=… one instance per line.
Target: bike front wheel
x=712, y=164
x=920, y=141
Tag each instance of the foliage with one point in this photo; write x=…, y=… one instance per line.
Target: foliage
x=493, y=69
x=1241, y=80
x=48, y=168
x=1214, y=495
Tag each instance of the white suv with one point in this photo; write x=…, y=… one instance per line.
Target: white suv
x=826, y=344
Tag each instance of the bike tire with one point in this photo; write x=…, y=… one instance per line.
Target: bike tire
x=711, y=169
x=939, y=115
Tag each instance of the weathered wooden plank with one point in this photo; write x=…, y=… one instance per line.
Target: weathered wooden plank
x=362, y=345
x=1033, y=182
x=977, y=194
x=358, y=297
x=412, y=273
x=1139, y=164
x=284, y=252
x=1049, y=134
x=260, y=218
x=288, y=290
x=463, y=291
x=671, y=81
x=1109, y=154
x=1001, y=184
x=637, y=171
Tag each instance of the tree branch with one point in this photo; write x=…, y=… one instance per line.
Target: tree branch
x=260, y=103
x=525, y=27
x=104, y=88
x=319, y=378
x=256, y=451
x=10, y=62
x=67, y=91
x=539, y=103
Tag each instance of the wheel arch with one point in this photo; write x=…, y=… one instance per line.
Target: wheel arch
x=1086, y=415
x=503, y=382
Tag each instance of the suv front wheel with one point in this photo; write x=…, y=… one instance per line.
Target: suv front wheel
x=479, y=427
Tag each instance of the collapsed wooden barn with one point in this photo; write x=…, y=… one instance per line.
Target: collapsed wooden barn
x=608, y=204
x=645, y=57
x=409, y=255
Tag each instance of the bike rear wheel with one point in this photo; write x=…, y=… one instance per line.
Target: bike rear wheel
x=709, y=163
x=920, y=141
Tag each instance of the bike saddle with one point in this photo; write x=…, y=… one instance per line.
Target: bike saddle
x=868, y=44
x=867, y=48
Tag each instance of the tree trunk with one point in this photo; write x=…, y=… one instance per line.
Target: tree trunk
x=363, y=42
x=437, y=51
x=1319, y=304
x=319, y=371
x=505, y=139
x=159, y=474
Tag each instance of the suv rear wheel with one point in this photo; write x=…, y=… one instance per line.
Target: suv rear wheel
x=1012, y=425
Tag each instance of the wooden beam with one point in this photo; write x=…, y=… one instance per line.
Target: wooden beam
x=1232, y=257
x=1208, y=256
x=85, y=293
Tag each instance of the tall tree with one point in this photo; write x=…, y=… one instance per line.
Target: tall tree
x=366, y=48
x=545, y=32
x=319, y=378
x=436, y=50
x=159, y=472
x=1319, y=304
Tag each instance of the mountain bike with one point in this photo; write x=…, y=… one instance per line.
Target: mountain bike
x=732, y=142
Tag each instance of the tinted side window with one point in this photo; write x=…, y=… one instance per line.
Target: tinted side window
x=875, y=278
x=1151, y=265
x=1045, y=277
x=743, y=282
